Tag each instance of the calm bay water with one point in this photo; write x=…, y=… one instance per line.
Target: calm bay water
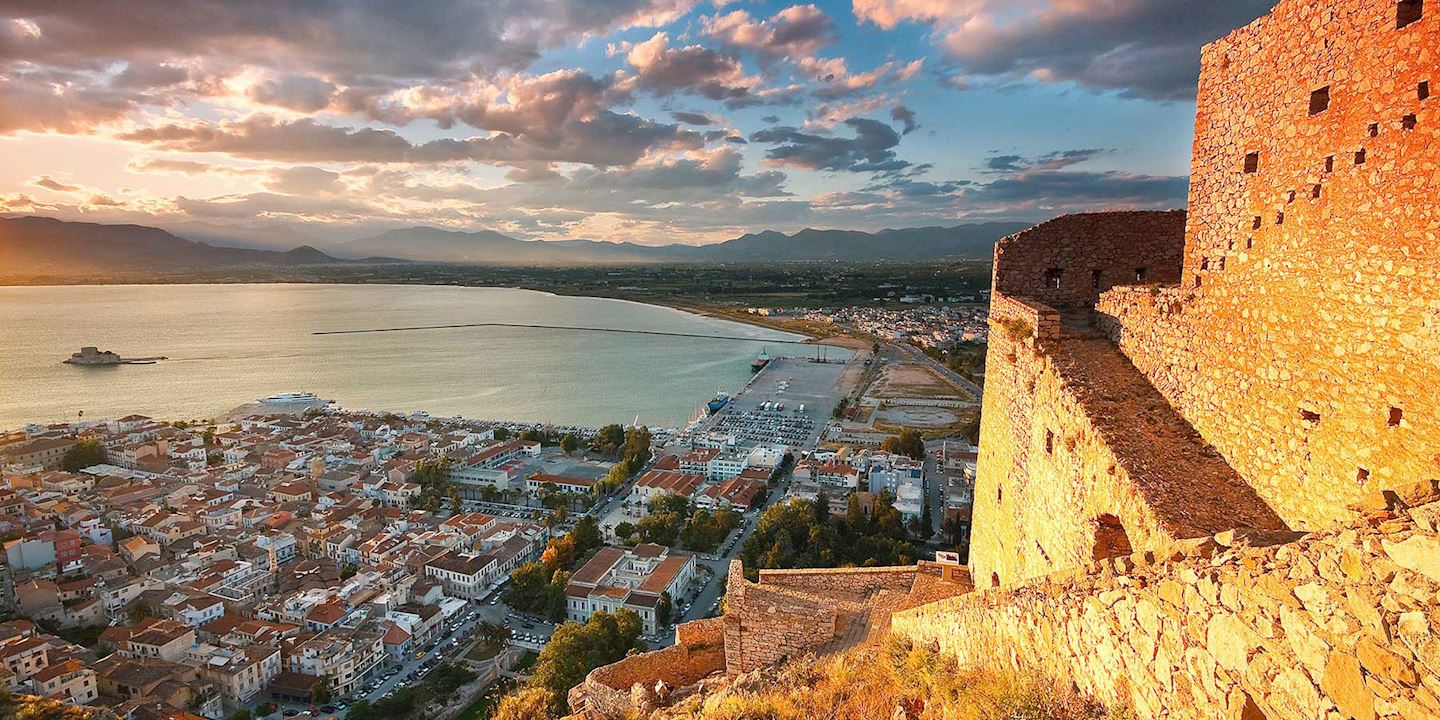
x=229, y=344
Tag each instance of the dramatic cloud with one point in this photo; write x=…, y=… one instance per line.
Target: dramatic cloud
x=906, y=117
x=795, y=32
x=663, y=70
x=607, y=139
x=1145, y=48
x=871, y=150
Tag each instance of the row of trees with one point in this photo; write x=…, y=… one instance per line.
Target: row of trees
x=803, y=534
x=436, y=489
x=573, y=651
x=674, y=518
x=538, y=588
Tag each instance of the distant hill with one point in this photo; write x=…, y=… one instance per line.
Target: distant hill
x=427, y=244
x=36, y=245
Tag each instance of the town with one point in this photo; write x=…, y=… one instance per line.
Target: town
x=309, y=563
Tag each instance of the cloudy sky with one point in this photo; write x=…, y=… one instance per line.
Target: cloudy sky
x=651, y=121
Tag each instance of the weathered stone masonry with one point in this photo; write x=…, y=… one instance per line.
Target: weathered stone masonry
x=1302, y=341
x=1251, y=625
x=1297, y=340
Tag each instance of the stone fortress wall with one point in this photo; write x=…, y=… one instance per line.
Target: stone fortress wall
x=1241, y=626
x=1291, y=351
x=1302, y=340
x=1207, y=455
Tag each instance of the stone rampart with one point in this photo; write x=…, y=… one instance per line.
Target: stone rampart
x=1067, y=262
x=1302, y=346
x=1081, y=458
x=1336, y=624
x=629, y=687
x=766, y=624
x=855, y=581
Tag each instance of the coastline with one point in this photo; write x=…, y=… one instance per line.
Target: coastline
x=419, y=403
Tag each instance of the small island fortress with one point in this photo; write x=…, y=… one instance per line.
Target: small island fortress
x=1206, y=483
x=91, y=355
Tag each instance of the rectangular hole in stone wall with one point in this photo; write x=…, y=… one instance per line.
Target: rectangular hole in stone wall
x=1095, y=279
x=1396, y=415
x=1315, y=190
x=1309, y=417
x=1408, y=12
x=1359, y=157
x=1409, y=122
x=1423, y=90
x=1330, y=163
x=1291, y=197
x=1362, y=475
x=1197, y=281
x=1220, y=264
x=1320, y=100
x=1052, y=278
x=1252, y=162
x=1049, y=442
x=1374, y=129
x=1140, y=274
x=1280, y=218
x=1249, y=243
x=1256, y=224
x=1204, y=263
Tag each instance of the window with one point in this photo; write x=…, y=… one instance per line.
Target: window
x=1052, y=278
x=1360, y=157
x=1408, y=12
x=1396, y=415
x=1320, y=100
x=1111, y=540
x=1408, y=122
x=1252, y=162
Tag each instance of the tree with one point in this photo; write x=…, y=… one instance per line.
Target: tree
x=530, y=703
x=361, y=710
x=569, y=443
x=586, y=534
x=242, y=714
x=854, y=517
x=85, y=454
x=501, y=433
x=909, y=442
x=560, y=553
x=140, y=611
x=574, y=650
x=322, y=693
x=609, y=440
x=636, y=450
x=664, y=609
x=348, y=572
x=624, y=530
x=927, y=521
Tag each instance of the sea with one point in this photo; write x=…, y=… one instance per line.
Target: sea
x=230, y=344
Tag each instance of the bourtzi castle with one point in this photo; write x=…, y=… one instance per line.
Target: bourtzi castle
x=1209, y=443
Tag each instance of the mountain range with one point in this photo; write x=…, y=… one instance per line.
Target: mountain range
x=39, y=245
